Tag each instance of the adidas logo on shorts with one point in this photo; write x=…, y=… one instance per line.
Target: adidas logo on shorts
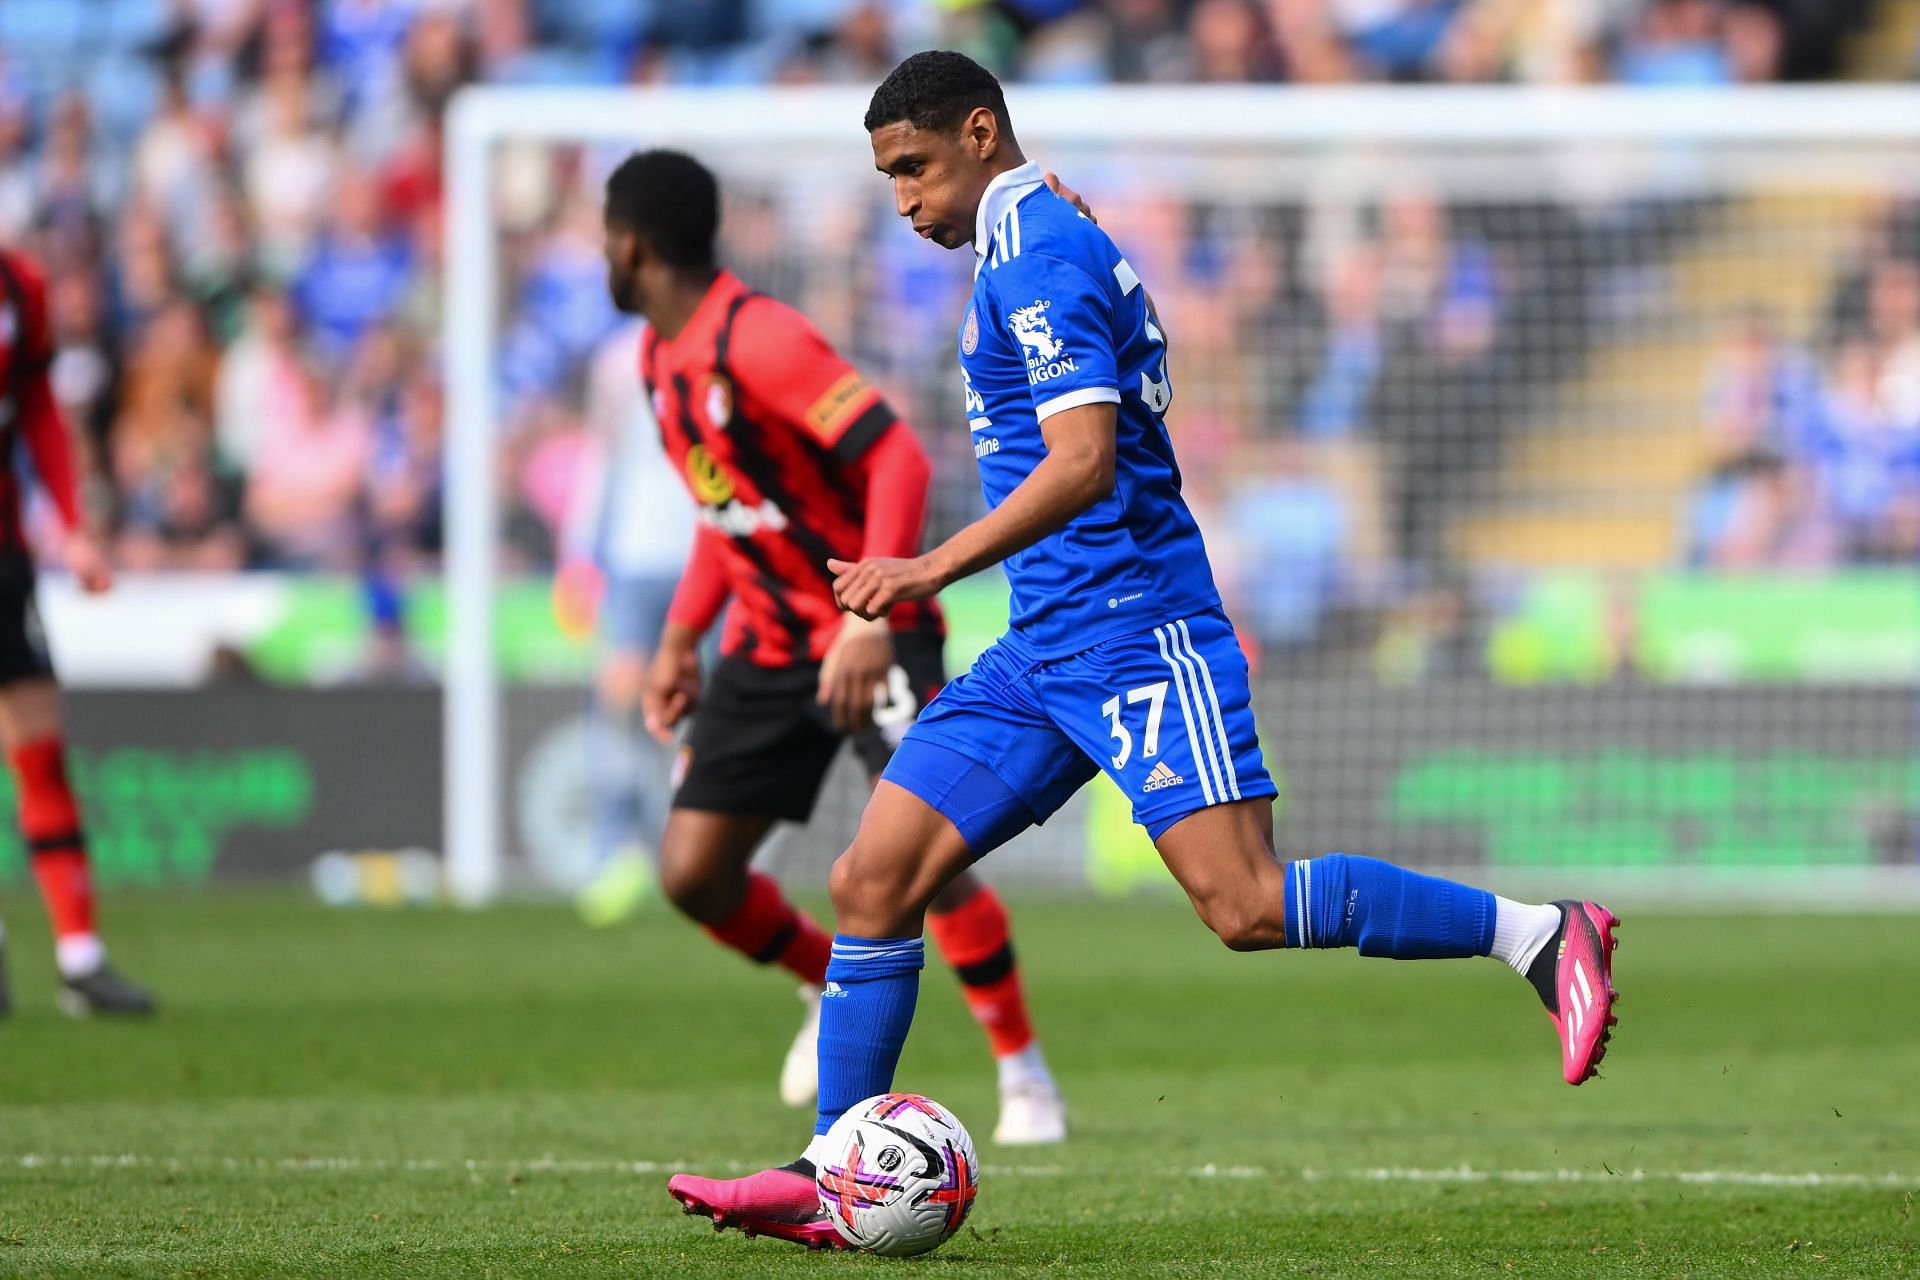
x=1162, y=777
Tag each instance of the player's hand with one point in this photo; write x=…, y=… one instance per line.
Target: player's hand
x=854, y=669
x=672, y=688
x=871, y=587
x=87, y=562
x=1068, y=194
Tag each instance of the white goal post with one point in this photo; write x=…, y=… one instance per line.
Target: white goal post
x=712, y=123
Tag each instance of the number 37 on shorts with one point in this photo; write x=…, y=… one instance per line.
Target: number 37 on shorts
x=1166, y=713
x=1186, y=727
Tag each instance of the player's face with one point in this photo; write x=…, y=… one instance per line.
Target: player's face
x=623, y=277
x=937, y=179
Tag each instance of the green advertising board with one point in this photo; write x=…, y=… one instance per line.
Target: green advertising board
x=177, y=787
x=160, y=817
x=321, y=627
x=1579, y=628
x=1688, y=627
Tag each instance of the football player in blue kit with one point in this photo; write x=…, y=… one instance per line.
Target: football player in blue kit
x=1118, y=656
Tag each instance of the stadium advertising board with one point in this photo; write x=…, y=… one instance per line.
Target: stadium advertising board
x=183, y=787
x=1766, y=789
x=1860, y=625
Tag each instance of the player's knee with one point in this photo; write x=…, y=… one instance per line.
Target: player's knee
x=842, y=886
x=689, y=884
x=859, y=884
x=683, y=888
x=873, y=892
x=1241, y=931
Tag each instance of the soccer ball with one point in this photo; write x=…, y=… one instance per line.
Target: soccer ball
x=900, y=1177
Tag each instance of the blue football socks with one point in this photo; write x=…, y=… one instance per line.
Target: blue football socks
x=872, y=984
x=1384, y=910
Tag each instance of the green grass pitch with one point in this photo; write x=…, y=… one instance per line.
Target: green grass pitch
x=430, y=1093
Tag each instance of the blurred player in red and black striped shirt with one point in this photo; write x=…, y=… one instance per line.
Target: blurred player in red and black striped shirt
x=793, y=459
x=30, y=721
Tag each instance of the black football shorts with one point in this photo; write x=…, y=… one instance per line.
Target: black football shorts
x=23, y=640
x=760, y=743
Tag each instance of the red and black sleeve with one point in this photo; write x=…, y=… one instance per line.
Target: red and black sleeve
x=785, y=363
x=897, y=475
x=703, y=588
x=29, y=373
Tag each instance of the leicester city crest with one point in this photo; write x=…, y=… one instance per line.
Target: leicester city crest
x=970, y=333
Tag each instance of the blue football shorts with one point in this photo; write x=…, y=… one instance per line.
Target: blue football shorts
x=1166, y=713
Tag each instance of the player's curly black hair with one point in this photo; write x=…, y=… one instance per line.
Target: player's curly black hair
x=672, y=200
x=937, y=90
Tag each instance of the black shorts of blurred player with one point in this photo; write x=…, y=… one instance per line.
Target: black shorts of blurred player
x=761, y=742
x=23, y=640
x=757, y=752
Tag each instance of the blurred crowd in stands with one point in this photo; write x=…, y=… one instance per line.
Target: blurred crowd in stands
x=1814, y=443
x=239, y=204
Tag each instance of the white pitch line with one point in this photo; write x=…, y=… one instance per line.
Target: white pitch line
x=1732, y=1177
x=551, y=1164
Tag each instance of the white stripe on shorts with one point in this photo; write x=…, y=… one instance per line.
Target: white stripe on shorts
x=1212, y=704
x=1186, y=712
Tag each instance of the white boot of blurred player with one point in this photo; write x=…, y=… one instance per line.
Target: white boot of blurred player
x=1032, y=1112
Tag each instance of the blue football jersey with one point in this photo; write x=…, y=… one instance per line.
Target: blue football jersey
x=1057, y=320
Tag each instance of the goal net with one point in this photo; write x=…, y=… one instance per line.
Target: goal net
x=1558, y=454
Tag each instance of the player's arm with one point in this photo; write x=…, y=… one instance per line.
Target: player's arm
x=897, y=475
x=45, y=429
x=1076, y=473
x=784, y=363
x=672, y=687
x=1078, y=412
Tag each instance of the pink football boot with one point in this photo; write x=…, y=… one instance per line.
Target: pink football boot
x=775, y=1202
x=1582, y=997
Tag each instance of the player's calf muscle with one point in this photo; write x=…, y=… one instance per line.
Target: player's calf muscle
x=1244, y=926
x=1246, y=912
x=1223, y=858
x=958, y=892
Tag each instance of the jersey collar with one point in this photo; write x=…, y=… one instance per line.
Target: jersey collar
x=711, y=311
x=1004, y=192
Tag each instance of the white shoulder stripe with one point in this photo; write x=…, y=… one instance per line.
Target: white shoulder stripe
x=1006, y=238
x=1124, y=274
x=1004, y=246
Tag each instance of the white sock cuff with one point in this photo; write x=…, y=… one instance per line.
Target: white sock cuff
x=79, y=954
x=1028, y=1066
x=1520, y=930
